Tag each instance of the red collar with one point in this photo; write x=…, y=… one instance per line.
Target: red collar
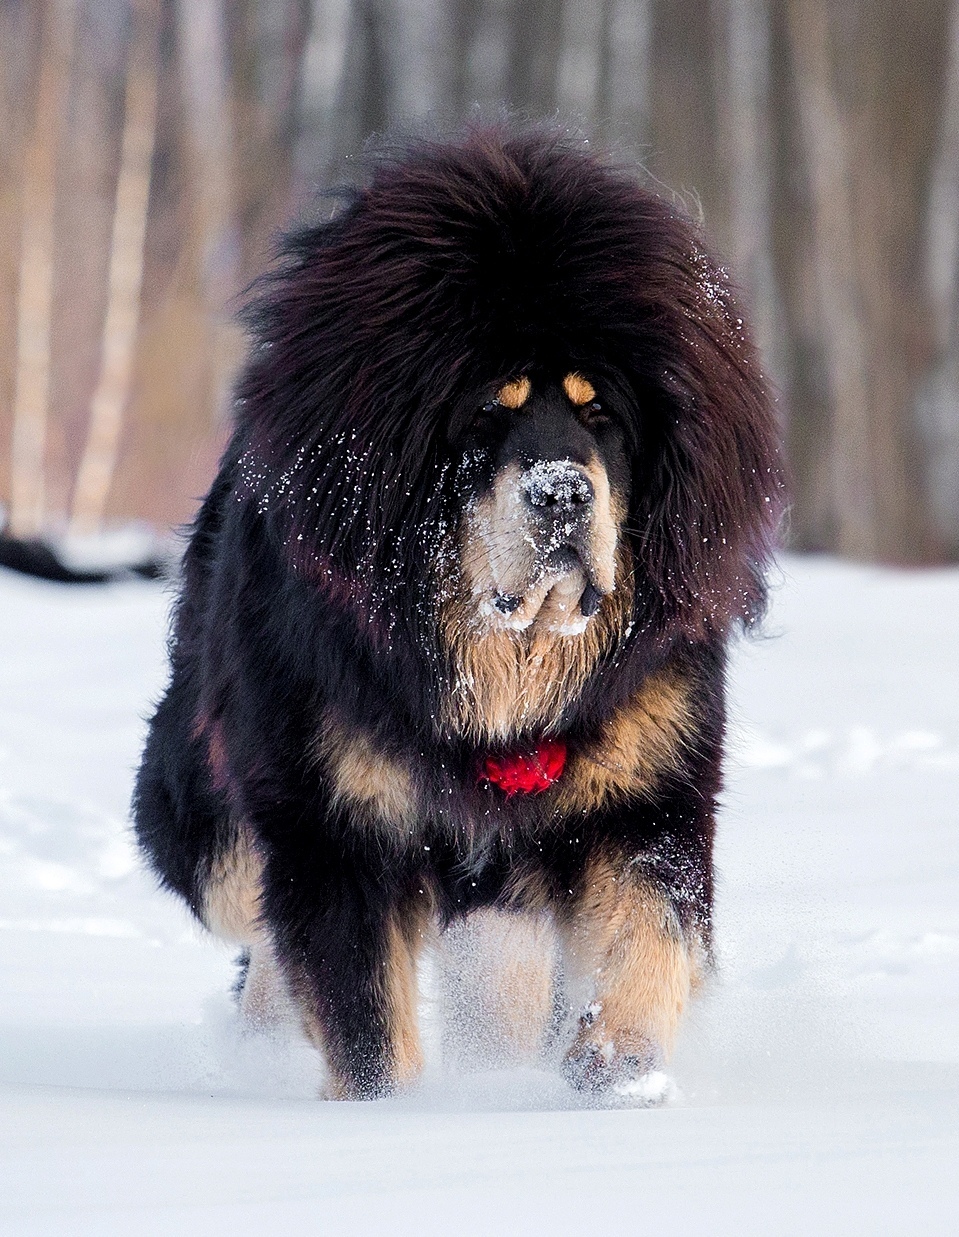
x=526, y=772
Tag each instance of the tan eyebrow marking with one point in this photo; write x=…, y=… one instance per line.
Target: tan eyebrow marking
x=515, y=394
x=578, y=389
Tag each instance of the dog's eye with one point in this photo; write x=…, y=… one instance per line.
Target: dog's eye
x=594, y=415
x=484, y=419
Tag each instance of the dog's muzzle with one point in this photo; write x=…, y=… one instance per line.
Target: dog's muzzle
x=558, y=497
x=539, y=528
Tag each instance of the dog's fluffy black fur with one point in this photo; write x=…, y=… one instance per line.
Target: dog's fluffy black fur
x=317, y=783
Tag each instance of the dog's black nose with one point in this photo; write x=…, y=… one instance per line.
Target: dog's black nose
x=557, y=487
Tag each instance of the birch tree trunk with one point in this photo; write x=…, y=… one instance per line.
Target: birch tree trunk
x=364, y=83
x=941, y=257
x=267, y=44
x=202, y=50
x=625, y=84
x=419, y=38
x=583, y=62
x=484, y=40
x=35, y=289
x=465, y=24
x=743, y=106
x=938, y=403
x=19, y=60
x=864, y=152
x=683, y=129
x=538, y=46
x=118, y=353
x=824, y=138
x=324, y=64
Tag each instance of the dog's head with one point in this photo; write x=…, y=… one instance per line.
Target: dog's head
x=536, y=580
x=506, y=398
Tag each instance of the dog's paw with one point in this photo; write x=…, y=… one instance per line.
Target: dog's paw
x=625, y=1078
x=633, y=1076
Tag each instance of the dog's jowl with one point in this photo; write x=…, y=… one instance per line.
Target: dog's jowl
x=451, y=638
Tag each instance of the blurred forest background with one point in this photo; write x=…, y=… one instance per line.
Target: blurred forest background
x=150, y=149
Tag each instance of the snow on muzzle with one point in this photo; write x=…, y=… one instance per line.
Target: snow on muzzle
x=541, y=546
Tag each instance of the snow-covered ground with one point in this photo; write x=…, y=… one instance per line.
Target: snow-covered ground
x=819, y=1079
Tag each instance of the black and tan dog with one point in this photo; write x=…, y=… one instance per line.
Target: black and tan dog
x=453, y=622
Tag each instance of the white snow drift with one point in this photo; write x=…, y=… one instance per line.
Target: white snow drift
x=818, y=1080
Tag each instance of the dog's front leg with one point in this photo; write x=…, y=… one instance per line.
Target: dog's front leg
x=352, y=970
x=625, y=950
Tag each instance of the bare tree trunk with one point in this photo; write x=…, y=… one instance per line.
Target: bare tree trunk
x=98, y=462
x=419, y=38
x=19, y=61
x=35, y=295
x=465, y=23
x=202, y=49
x=583, y=63
x=883, y=190
x=87, y=173
x=939, y=399
x=824, y=138
x=324, y=64
x=942, y=215
x=536, y=47
x=683, y=124
x=743, y=107
x=485, y=40
x=625, y=84
x=267, y=44
x=364, y=84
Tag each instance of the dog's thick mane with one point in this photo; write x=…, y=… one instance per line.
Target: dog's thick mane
x=458, y=265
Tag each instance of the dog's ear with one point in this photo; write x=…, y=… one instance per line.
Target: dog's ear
x=712, y=500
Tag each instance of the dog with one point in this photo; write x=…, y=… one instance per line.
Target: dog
x=452, y=631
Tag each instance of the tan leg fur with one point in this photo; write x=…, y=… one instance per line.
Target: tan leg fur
x=622, y=942
x=405, y=940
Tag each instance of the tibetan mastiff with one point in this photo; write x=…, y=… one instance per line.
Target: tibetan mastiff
x=452, y=633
